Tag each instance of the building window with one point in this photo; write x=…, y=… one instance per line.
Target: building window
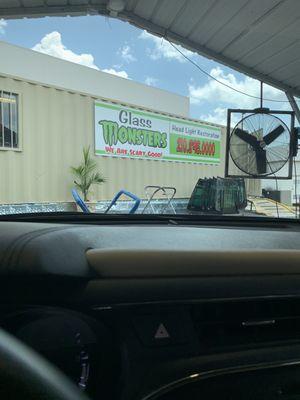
x=9, y=137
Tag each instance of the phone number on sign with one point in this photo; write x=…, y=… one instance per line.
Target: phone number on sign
x=191, y=146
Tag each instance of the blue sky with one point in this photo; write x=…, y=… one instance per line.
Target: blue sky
x=119, y=48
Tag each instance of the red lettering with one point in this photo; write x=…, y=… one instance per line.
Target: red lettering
x=180, y=147
x=154, y=155
x=121, y=151
x=193, y=146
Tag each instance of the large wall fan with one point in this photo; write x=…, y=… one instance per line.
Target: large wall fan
x=260, y=144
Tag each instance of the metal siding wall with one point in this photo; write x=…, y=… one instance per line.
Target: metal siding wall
x=54, y=126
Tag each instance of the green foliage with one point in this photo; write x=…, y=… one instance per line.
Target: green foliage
x=86, y=174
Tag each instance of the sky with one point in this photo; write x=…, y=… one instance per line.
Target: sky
x=117, y=47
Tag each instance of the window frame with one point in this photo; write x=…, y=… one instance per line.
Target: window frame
x=19, y=121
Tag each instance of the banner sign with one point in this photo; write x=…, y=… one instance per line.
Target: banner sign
x=132, y=133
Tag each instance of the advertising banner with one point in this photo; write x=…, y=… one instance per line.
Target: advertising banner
x=132, y=133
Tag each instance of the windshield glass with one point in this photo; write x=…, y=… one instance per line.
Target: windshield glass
x=99, y=115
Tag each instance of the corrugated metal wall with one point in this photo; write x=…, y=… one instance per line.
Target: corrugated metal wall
x=54, y=126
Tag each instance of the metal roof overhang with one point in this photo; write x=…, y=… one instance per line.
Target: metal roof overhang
x=260, y=38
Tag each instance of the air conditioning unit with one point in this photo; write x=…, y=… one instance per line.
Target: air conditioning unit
x=281, y=196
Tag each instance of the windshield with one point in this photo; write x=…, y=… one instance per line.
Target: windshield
x=99, y=115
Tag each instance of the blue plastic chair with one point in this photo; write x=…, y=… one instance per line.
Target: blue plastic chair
x=128, y=194
x=80, y=202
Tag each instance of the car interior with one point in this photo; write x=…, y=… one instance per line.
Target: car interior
x=151, y=309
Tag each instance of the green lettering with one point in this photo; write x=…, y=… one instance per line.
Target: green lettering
x=132, y=135
x=163, y=142
x=109, y=129
x=112, y=134
x=139, y=137
x=157, y=139
x=122, y=134
x=145, y=137
x=151, y=138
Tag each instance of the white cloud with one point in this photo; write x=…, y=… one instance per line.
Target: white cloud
x=52, y=45
x=3, y=25
x=162, y=49
x=151, y=81
x=222, y=97
x=126, y=54
x=219, y=116
x=214, y=92
x=122, y=74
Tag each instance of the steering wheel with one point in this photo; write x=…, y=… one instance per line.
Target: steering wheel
x=26, y=375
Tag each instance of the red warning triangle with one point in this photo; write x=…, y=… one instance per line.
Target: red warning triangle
x=161, y=332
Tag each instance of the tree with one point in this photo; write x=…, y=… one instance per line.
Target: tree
x=86, y=174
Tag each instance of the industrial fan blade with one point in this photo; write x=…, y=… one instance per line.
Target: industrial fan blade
x=260, y=144
x=246, y=137
x=261, y=161
x=273, y=135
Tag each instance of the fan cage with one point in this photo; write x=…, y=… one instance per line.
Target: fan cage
x=243, y=114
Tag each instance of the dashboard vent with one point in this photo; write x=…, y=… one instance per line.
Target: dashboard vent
x=246, y=323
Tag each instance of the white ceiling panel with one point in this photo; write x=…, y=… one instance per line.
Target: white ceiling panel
x=288, y=71
x=253, y=12
x=282, y=59
x=56, y=2
x=94, y=2
x=32, y=3
x=294, y=80
x=276, y=44
x=271, y=27
x=190, y=16
x=165, y=15
x=229, y=11
x=10, y=3
x=145, y=8
x=78, y=2
x=130, y=5
x=211, y=24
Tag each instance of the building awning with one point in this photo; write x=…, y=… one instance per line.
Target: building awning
x=260, y=38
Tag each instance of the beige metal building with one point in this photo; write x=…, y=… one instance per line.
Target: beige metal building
x=52, y=106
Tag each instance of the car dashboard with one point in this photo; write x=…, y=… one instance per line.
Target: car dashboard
x=167, y=312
